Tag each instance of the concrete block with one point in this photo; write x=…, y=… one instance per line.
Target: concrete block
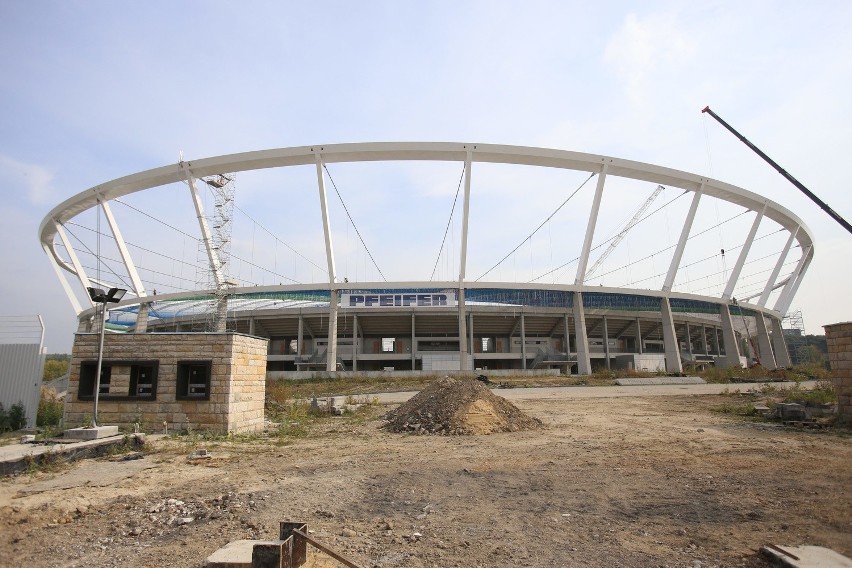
x=91, y=433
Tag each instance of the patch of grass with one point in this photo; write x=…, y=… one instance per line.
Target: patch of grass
x=736, y=409
x=822, y=393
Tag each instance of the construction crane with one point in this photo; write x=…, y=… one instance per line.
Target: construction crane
x=822, y=204
x=620, y=237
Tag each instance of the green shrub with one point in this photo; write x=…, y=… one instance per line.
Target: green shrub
x=17, y=416
x=50, y=409
x=4, y=419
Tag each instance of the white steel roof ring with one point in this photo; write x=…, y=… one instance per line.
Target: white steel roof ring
x=414, y=151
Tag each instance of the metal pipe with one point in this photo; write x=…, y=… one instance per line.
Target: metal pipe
x=822, y=204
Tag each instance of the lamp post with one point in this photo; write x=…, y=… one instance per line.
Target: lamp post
x=99, y=296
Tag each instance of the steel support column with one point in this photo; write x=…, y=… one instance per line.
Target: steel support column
x=584, y=363
x=738, y=267
x=767, y=357
x=770, y=283
x=681, y=243
x=779, y=345
x=732, y=349
x=142, y=318
x=673, y=363
x=331, y=353
x=354, y=342
x=590, y=229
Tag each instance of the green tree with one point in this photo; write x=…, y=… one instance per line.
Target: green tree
x=17, y=416
x=53, y=369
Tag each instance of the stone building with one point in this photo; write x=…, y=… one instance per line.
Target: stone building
x=183, y=381
x=839, y=339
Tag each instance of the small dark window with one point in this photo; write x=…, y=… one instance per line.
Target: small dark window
x=193, y=380
x=87, y=379
x=142, y=380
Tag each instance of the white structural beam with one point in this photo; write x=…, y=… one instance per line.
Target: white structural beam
x=463, y=340
x=75, y=304
x=767, y=357
x=786, y=296
x=122, y=249
x=779, y=345
x=465, y=216
x=732, y=349
x=75, y=261
x=212, y=254
x=670, y=343
x=326, y=225
x=584, y=362
x=770, y=284
x=788, y=299
x=681, y=243
x=738, y=267
x=590, y=228
x=331, y=353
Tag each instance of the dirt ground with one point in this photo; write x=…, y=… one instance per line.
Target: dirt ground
x=655, y=481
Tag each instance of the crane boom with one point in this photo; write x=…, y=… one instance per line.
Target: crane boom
x=822, y=204
x=627, y=227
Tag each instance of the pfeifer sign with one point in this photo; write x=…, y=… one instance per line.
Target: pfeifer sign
x=440, y=299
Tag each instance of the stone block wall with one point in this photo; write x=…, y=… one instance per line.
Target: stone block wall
x=237, y=382
x=839, y=338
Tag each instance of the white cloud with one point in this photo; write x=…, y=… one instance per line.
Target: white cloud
x=646, y=47
x=37, y=180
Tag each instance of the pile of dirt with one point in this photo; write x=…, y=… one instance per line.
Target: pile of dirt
x=458, y=406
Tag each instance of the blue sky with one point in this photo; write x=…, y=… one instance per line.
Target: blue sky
x=94, y=90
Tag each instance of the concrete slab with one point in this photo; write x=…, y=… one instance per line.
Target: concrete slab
x=646, y=381
x=95, y=433
x=805, y=556
x=236, y=554
x=16, y=458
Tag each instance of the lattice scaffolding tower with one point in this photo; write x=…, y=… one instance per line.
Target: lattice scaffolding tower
x=223, y=189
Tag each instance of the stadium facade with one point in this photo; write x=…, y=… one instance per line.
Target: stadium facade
x=458, y=324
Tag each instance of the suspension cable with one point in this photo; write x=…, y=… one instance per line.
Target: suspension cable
x=599, y=245
x=271, y=234
x=357, y=232
x=593, y=174
x=449, y=221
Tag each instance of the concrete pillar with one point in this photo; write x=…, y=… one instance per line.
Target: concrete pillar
x=704, y=339
x=689, y=341
x=584, y=363
x=718, y=342
x=463, y=356
x=413, y=344
x=300, y=337
x=606, y=343
x=839, y=339
x=354, y=342
x=767, y=357
x=142, y=318
x=673, y=364
x=251, y=326
x=639, y=337
x=331, y=354
x=523, y=342
x=732, y=350
x=779, y=345
x=470, y=335
x=221, y=320
x=567, y=335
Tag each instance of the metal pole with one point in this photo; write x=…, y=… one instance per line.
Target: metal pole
x=98, y=370
x=822, y=204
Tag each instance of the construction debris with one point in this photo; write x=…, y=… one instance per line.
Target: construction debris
x=458, y=406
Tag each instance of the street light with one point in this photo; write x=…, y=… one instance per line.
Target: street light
x=99, y=296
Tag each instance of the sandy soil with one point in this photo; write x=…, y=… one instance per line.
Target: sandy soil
x=656, y=481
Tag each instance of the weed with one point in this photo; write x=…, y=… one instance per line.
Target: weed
x=50, y=408
x=746, y=409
